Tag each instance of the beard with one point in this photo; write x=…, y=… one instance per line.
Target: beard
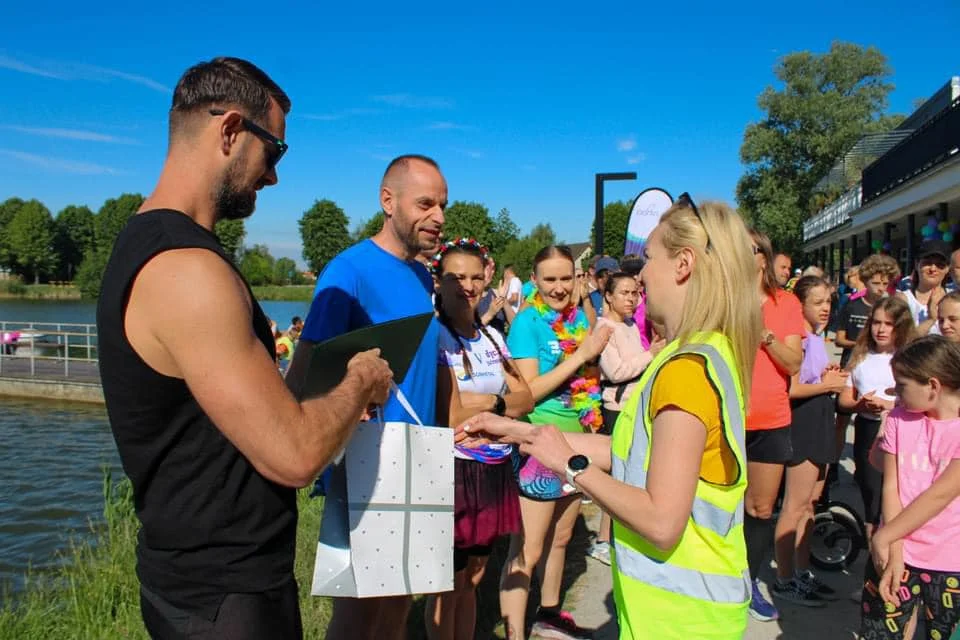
x=409, y=234
x=231, y=202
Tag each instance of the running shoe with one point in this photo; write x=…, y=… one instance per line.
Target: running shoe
x=600, y=551
x=813, y=584
x=558, y=627
x=796, y=592
x=761, y=609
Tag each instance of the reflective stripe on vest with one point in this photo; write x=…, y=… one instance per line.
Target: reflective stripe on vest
x=704, y=514
x=687, y=582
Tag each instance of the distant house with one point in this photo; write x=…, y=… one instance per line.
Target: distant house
x=581, y=253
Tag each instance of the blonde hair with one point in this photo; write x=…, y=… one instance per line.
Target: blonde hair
x=722, y=290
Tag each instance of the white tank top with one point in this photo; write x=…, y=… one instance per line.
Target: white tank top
x=917, y=309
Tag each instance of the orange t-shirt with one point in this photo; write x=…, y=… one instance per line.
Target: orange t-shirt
x=769, y=396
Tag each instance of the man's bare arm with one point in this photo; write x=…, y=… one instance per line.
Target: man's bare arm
x=191, y=297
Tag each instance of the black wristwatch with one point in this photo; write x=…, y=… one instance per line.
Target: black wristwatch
x=500, y=406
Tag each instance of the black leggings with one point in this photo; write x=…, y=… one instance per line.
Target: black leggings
x=868, y=477
x=241, y=616
x=936, y=591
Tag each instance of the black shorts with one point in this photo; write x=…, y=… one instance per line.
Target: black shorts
x=772, y=446
x=462, y=556
x=240, y=616
x=813, y=431
x=609, y=420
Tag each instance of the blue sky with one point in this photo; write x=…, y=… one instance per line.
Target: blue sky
x=521, y=104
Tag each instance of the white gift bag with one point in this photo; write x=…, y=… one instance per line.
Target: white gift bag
x=387, y=526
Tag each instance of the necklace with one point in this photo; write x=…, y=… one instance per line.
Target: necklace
x=583, y=389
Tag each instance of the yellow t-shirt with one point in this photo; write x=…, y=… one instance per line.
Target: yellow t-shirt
x=682, y=383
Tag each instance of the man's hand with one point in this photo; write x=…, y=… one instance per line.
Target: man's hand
x=375, y=374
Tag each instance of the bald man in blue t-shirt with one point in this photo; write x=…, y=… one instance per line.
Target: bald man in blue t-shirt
x=376, y=281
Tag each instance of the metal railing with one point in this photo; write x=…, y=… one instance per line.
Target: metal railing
x=47, y=349
x=933, y=143
x=834, y=215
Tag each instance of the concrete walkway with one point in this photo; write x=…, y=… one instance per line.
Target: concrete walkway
x=590, y=598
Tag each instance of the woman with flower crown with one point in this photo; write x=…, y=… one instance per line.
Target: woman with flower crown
x=553, y=348
x=475, y=374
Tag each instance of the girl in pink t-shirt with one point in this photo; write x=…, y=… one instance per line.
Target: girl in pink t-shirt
x=915, y=552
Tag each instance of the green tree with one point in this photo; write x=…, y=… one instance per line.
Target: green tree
x=825, y=104
x=231, y=234
x=89, y=276
x=30, y=236
x=616, y=216
x=505, y=231
x=368, y=228
x=75, y=238
x=323, y=230
x=285, y=271
x=257, y=265
x=113, y=217
x=8, y=209
x=468, y=220
x=520, y=254
x=543, y=235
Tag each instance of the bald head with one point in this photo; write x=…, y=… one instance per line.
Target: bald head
x=400, y=166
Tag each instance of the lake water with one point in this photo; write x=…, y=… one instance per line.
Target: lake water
x=52, y=455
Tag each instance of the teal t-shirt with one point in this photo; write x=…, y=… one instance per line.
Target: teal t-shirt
x=531, y=337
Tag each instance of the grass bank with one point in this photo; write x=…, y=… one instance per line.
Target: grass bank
x=16, y=289
x=290, y=293
x=95, y=593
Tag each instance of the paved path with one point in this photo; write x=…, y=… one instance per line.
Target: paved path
x=591, y=600
x=76, y=371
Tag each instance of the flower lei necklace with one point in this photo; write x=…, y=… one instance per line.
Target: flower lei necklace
x=583, y=392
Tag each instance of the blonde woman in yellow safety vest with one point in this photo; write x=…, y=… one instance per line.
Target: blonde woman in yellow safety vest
x=676, y=459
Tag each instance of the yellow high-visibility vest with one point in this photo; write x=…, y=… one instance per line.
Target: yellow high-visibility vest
x=700, y=588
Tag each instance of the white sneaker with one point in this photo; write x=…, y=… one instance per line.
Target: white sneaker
x=600, y=551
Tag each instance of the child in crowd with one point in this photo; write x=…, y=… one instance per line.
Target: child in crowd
x=948, y=316
x=916, y=560
x=814, y=447
x=867, y=392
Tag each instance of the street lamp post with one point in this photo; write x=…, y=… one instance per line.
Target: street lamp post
x=598, y=212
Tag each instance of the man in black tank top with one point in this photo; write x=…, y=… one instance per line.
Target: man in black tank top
x=211, y=438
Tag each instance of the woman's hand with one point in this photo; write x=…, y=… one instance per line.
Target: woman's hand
x=834, y=379
x=657, y=345
x=593, y=345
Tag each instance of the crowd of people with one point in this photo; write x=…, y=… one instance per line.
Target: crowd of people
x=686, y=392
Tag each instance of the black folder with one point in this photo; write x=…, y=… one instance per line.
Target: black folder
x=398, y=341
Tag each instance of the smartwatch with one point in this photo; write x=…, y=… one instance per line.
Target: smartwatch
x=575, y=466
x=500, y=406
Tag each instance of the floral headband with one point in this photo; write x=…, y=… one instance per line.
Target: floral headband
x=459, y=243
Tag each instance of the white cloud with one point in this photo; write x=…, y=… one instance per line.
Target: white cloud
x=6, y=62
x=60, y=70
x=627, y=144
x=69, y=134
x=471, y=153
x=410, y=101
x=62, y=165
x=636, y=158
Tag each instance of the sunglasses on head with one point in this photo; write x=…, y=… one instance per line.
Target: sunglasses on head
x=278, y=146
x=686, y=200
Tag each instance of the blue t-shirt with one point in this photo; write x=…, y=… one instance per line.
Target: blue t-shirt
x=365, y=285
x=531, y=337
x=596, y=299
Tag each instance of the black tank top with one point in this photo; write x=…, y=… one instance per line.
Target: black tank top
x=211, y=523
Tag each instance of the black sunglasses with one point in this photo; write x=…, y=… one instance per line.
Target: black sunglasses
x=279, y=146
x=686, y=200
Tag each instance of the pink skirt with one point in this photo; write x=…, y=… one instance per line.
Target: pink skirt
x=486, y=504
